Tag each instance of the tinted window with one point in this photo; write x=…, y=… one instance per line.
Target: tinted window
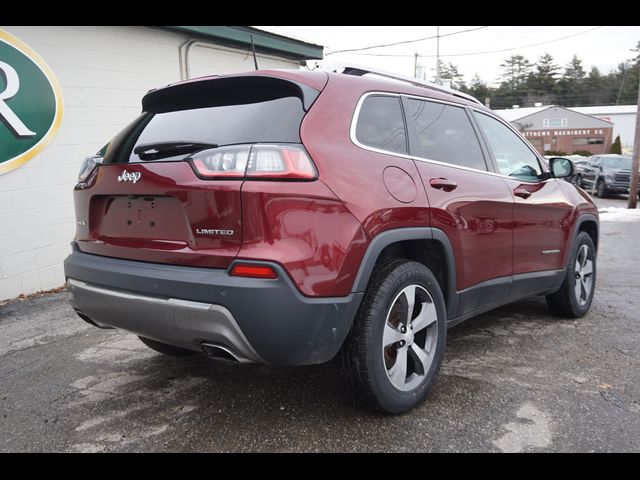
x=444, y=133
x=277, y=120
x=512, y=155
x=380, y=124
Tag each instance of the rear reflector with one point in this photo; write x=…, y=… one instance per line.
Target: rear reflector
x=253, y=271
x=255, y=162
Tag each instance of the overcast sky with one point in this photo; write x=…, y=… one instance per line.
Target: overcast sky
x=604, y=47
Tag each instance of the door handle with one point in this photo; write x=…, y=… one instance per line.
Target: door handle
x=443, y=184
x=522, y=193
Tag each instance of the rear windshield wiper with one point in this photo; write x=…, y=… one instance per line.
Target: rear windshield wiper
x=153, y=151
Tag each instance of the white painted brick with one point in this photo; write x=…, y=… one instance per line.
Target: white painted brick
x=50, y=277
x=52, y=254
x=30, y=282
x=15, y=265
x=14, y=222
x=18, y=200
x=9, y=287
x=9, y=241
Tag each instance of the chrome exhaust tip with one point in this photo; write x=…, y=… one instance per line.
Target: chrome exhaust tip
x=219, y=352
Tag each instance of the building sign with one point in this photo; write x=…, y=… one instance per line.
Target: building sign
x=559, y=133
x=30, y=103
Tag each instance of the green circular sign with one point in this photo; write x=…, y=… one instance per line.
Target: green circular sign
x=30, y=103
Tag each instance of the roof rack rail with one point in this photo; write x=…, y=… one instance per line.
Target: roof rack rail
x=360, y=70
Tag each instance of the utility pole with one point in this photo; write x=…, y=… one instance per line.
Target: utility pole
x=415, y=66
x=633, y=186
x=438, y=54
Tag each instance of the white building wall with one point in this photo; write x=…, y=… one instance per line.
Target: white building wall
x=103, y=73
x=622, y=116
x=624, y=124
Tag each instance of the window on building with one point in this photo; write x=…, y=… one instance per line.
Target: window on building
x=588, y=141
x=555, y=122
x=380, y=124
x=444, y=133
x=536, y=142
x=512, y=155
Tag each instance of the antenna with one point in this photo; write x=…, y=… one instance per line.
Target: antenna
x=253, y=48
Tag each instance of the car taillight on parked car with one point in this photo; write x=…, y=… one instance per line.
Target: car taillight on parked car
x=254, y=162
x=88, y=167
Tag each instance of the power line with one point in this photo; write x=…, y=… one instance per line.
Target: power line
x=480, y=53
x=404, y=41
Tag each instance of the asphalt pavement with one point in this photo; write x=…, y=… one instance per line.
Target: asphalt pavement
x=514, y=380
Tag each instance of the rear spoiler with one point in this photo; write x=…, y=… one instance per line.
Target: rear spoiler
x=227, y=90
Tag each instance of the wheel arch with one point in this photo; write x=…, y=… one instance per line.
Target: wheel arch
x=587, y=222
x=429, y=246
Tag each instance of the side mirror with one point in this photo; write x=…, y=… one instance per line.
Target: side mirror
x=561, y=167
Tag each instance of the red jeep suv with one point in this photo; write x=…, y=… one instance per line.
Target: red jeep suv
x=284, y=216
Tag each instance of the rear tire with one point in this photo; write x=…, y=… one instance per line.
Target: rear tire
x=574, y=298
x=390, y=369
x=167, y=349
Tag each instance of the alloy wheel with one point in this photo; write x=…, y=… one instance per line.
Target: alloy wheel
x=410, y=337
x=583, y=275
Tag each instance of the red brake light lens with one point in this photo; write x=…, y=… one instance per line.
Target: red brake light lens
x=223, y=162
x=253, y=271
x=255, y=162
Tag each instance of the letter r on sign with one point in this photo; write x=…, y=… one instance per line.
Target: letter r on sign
x=12, y=85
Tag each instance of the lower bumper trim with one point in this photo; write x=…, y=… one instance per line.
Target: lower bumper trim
x=179, y=322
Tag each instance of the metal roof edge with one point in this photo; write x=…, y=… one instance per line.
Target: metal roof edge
x=265, y=42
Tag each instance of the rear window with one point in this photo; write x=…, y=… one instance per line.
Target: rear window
x=380, y=124
x=236, y=119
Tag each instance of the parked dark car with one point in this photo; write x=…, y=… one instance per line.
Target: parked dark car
x=606, y=174
x=286, y=217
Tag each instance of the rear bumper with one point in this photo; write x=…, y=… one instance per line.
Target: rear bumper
x=266, y=321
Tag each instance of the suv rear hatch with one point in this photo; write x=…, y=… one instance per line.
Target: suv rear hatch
x=168, y=189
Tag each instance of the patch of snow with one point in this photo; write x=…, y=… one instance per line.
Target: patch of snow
x=532, y=430
x=619, y=214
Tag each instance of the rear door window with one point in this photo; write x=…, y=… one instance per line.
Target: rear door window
x=380, y=124
x=444, y=133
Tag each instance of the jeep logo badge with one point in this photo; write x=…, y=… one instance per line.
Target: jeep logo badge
x=132, y=177
x=30, y=103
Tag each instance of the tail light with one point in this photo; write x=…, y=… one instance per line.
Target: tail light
x=87, y=168
x=255, y=162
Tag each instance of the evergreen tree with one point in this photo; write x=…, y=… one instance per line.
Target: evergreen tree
x=636, y=59
x=516, y=70
x=449, y=71
x=574, y=70
x=570, y=87
x=616, y=147
x=595, y=85
x=479, y=89
x=543, y=79
x=629, y=89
